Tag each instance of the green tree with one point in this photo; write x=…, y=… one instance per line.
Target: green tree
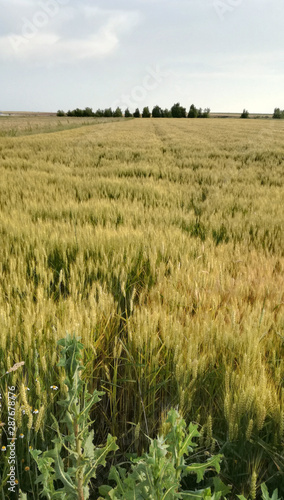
x=193, y=112
x=99, y=113
x=127, y=113
x=199, y=113
x=167, y=113
x=108, y=113
x=178, y=111
x=88, y=112
x=278, y=114
x=206, y=113
x=157, y=112
x=146, y=112
x=78, y=112
x=117, y=113
x=60, y=112
x=245, y=113
x=136, y=113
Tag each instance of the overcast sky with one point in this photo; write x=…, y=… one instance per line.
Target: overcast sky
x=62, y=54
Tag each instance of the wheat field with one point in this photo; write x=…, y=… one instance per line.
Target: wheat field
x=160, y=243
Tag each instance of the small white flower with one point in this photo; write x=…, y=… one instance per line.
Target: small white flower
x=54, y=387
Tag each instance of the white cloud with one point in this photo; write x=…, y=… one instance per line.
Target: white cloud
x=43, y=38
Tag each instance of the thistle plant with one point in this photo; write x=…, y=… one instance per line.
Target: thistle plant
x=67, y=469
x=265, y=494
x=157, y=475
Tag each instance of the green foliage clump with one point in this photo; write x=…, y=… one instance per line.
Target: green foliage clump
x=67, y=469
x=193, y=112
x=178, y=111
x=198, y=113
x=245, y=113
x=159, y=473
x=117, y=113
x=146, y=112
x=127, y=113
x=278, y=114
x=167, y=113
x=157, y=112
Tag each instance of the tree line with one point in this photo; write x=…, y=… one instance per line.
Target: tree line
x=176, y=111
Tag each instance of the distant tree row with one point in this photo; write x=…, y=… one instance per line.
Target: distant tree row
x=88, y=112
x=176, y=111
x=278, y=114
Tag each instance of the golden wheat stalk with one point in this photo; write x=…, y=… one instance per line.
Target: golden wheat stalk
x=14, y=368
